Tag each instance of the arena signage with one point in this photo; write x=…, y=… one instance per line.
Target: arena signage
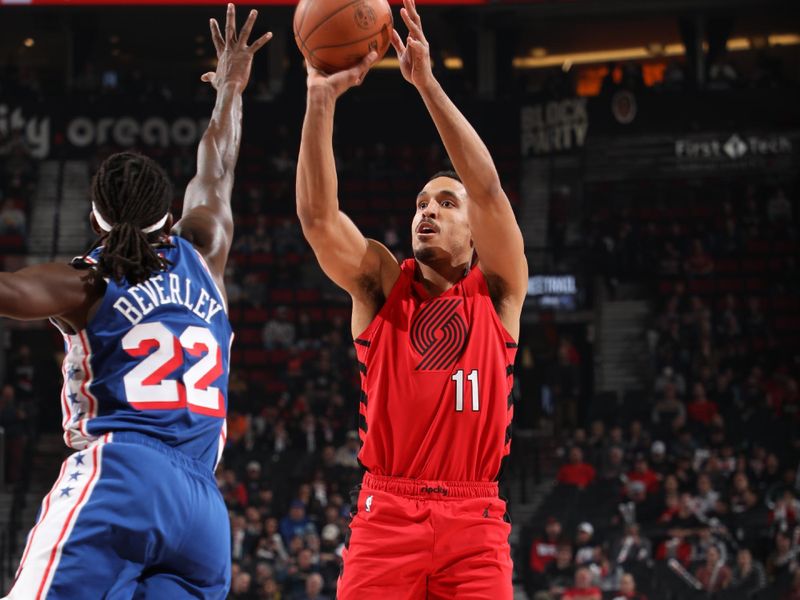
x=35, y=130
x=554, y=126
x=542, y=285
x=128, y=131
x=83, y=132
x=553, y=292
x=731, y=147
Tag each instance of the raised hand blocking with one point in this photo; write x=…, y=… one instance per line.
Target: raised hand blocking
x=235, y=57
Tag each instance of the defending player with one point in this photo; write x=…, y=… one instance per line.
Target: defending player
x=135, y=512
x=435, y=338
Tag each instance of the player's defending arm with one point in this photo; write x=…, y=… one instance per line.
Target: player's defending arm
x=47, y=290
x=207, y=220
x=363, y=268
x=494, y=228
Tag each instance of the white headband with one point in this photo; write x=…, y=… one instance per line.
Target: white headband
x=106, y=226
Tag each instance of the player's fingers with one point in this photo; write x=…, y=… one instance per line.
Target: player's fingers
x=208, y=77
x=414, y=29
x=244, y=34
x=411, y=7
x=397, y=42
x=359, y=72
x=216, y=37
x=256, y=46
x=230, y=25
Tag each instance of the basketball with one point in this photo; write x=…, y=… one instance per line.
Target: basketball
x=335, y=35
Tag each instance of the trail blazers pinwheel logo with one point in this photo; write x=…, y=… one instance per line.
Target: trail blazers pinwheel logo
x=439, y=334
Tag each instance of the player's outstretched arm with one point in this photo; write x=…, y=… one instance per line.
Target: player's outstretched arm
x=495, y=231
x=207, y=220
x=361, y=267
x=47, y=290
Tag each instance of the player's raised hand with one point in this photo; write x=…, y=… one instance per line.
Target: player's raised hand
x=414, y=54
x=338, y=83
x=234, y=56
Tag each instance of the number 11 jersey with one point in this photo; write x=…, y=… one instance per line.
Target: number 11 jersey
x=436, y=383
x=153, y=359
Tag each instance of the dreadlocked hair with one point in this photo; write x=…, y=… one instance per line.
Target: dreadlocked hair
x=131, y=191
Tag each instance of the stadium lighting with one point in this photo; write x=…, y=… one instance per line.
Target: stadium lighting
x=539, y=58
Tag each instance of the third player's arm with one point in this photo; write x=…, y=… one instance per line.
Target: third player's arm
x=46, y=290
x=497, y=237
x=357, y=265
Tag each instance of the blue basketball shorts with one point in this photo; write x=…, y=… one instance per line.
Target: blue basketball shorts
x=128, y=517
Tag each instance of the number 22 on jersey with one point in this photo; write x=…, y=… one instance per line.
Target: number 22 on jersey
x=147, y=386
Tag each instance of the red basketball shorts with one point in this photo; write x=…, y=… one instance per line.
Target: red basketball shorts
x=415, y=539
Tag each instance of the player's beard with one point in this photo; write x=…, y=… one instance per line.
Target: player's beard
x=425, y=255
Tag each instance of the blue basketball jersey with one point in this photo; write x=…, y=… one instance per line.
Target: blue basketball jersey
x=154, y=359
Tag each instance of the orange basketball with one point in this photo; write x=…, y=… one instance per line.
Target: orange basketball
x=335, y=35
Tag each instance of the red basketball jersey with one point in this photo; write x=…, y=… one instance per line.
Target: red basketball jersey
x=436, y=379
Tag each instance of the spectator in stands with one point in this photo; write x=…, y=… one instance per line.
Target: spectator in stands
x=784, y=515
x=582, y=589
x=633, y=547
x=682, y=522
x=643, y=473
x=699, y=262
x=666, y=409
x=606, y=573
x=784, y=557
x=748, y=575
x=12, y=219
x=559, y=574
x=347, y=455
x=729, y=240
x=659, y=463
x=543, y=548
x=566, y=382
x=22, y=373
x=742, y=497
x=16, y=424
x=614, y=464
x=793, y=592
x=254, y=289
x=296, y=523
x=584, y=544
x=279, y=331
x=596, y=443
x=643, y=508
x=627, y=589
x=313, y=591
x=638, y=439
x=300, y=570
x=779, y=209
x=241, y=587
x=701, y=410
x=714, y=574
x=707, y=500
x=576, y=472
x=287, y=237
